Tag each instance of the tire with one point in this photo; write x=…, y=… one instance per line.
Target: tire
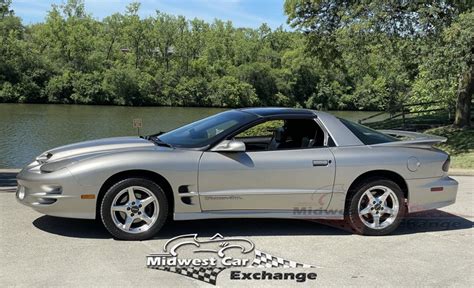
x=137, y=218
x=387, y=203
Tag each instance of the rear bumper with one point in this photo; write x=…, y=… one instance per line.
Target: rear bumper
x=421, y=197
x=55, y=194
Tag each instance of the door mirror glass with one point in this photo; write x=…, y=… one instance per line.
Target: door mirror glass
x=229, y=146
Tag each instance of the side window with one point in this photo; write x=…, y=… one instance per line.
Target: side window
x=283, y=135
x=298, y=134
x=331, y=142
x=264, y=129
x=367, y=135
x=260, y=136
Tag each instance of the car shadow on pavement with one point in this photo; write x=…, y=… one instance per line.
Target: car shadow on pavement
x=429, y=221
x=419, y=222
x=81, y=228
x=76, y=228
x=433, y=221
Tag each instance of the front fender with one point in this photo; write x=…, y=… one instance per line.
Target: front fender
x=178, y=167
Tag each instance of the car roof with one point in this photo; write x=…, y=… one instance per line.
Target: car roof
x=277, y=111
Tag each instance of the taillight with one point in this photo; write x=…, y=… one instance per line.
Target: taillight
x=446, y=164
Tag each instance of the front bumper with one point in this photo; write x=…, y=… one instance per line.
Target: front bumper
x=421, y=197
x=56, y=194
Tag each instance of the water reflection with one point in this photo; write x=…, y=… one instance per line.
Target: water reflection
x=26, y=130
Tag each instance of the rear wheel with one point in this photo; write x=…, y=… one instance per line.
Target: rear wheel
x=134, y=209
x=376, y=208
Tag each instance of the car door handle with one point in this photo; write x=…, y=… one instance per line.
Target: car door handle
x=321, y=162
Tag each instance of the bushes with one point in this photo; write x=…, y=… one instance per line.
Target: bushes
x=8, y=93
x=59, y=88
x=168, y=60
x=122, y=86
x=88, y=89
x=230, y=92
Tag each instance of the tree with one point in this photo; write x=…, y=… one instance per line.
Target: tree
x=5, y=8
x=230, y=92
x=111, y=33
x=165, y=31
x=329, y=22
x=459, y=43
x=135, y=30
x=352, y=55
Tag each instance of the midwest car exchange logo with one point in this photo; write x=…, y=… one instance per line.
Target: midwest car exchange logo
x=205, y=259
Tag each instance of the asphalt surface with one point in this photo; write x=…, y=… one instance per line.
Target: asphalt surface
x=434, y=248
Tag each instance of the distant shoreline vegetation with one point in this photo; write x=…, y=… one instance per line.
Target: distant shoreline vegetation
x=166, y=60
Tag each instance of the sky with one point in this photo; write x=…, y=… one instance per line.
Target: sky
x=243, y=13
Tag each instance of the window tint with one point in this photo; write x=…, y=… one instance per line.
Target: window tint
x=264, y=129
x=207, y=130
x=331, y=142
x=367, y=135
x=283, y=134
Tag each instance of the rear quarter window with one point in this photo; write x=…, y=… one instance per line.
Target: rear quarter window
x=367, y=135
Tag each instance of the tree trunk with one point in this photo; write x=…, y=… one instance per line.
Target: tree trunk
x=109, y=51
x=463, y=104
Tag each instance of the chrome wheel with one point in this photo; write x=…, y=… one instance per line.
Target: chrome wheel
x=378, y=207
x=134, y=209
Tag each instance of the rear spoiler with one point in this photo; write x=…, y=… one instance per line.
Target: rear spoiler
x=412, y=139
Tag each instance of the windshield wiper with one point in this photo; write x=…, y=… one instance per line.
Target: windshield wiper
x=158, y=142
x=148, y=137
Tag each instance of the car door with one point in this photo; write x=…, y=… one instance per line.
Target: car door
x=266, y=180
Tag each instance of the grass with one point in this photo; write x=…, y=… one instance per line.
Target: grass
x=460, y=145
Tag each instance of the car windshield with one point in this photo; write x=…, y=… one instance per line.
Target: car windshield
x=367, y=135
x=203, y=132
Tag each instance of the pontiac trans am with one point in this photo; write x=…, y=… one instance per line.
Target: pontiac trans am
x=245, y=163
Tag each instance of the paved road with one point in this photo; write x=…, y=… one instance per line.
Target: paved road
x=430, y=249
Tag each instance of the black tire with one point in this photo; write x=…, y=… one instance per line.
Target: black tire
x=105, y=209
x=352, y=208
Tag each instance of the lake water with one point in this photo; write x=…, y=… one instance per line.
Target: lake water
x=27, y=130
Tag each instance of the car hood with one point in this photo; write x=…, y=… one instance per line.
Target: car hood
x=93, y=147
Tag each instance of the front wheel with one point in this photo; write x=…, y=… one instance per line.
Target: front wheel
x=376, y=208
x=134, y=209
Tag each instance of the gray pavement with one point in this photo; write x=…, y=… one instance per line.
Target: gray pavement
x=434, y=248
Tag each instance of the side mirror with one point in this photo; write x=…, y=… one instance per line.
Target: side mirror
x=229, y=146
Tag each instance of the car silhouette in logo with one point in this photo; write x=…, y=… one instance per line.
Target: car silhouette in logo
x=215, y=244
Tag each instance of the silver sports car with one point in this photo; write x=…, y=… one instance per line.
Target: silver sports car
x=247, y=163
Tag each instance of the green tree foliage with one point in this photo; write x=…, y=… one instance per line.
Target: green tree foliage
x=5, y=8
x=348, y=55
x=159, y=60
x=449, y=69
x=392, y=52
